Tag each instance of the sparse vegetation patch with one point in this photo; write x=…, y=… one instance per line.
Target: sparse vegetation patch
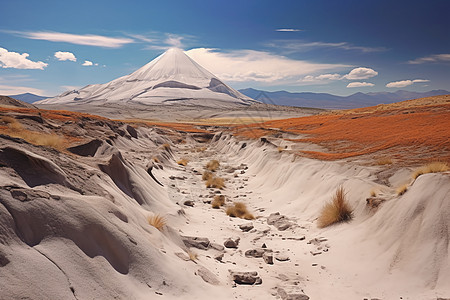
x=239, y=210
x=219, y=200
x=433, y=167
x=215, y=182
x=213, y=165
x=182, y=162
x=157, y=221
x=338, y=210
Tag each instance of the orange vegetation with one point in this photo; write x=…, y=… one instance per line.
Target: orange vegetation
x=421, y=128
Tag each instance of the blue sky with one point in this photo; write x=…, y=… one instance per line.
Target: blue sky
x=339, y=47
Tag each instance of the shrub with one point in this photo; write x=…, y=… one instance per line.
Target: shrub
x=157, y=221
x=239, y=209
x=215, y=182
x=401, y=190
x=207, y=175
x=182, y=162
x=338, y=210
x=213, y=165
x=433, y=167
x=373, y=193
x=219, y=200
x=192, y=255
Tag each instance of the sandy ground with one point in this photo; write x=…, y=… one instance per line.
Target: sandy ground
x=74, y=223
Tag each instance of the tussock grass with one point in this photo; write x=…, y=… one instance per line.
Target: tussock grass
x=215, y=182
x=433, y=167
x=219, y=200
x=192, y=255
x=207, y=175
x=338, y=210
x=15, y=129
x=280, y=149
x=239, y=210
x=401, y=190
x=156, y=160
x=182, y=162
x=373, y=193
x=157, y=221
x=213, y=165
x=384, y=161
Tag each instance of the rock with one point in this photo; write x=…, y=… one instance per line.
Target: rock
x=196, y=242
x=282, y=257
x=207, y=276
x=246, y=227
x=291, y=294
x=314, y=253
x=264, y=246
x=255, y=252
x=279, y=221
x=245, y=277
x=216, y=246
x=218, y=256
x=189, y=203
x=268, y=257
x=231, y=242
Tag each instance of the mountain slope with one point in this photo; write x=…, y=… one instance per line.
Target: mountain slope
x=28, y=97
x=329, y=101
x=173, y=77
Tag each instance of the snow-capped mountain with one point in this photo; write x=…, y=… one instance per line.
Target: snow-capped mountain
x=172, y=77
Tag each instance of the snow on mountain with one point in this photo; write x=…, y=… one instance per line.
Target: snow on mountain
x=172, y=77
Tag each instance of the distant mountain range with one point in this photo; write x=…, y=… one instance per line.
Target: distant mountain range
x=28, y=97
x=329, y=101
x=306, y=99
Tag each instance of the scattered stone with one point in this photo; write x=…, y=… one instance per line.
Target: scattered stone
x=172, y=177
x=231, y=242
x=196, y=242
x=217, y=247
x=207, y=276
x=314, y=253
x=245, y=277
x=279, y=221
x=246, y=227
x=189, y=203
x=255, y=252
x=218, y=256
x=291, y=294
x=264, y=246
x=282, y=257
x=268, y=257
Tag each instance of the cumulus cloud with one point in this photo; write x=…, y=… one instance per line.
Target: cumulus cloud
x=60, y=55
x=359, y=84
x=431, y=59
x=79, y=39
x=259, y=66
x=404, y=83
x=88, y=63
x=15, y=90
x=18, y=61
x=361, y=73
x=288, y=30
x=321, y=78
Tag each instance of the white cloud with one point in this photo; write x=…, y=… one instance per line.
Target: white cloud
x=86, y=39
x=404, y=83
x=14, y=90
x=174, y=40
x=431, y=59
x=320, y=79
x=18, y=61
x=361, y=73
x=293, y=46
x=288, y=30
x=359, y=84
x=259, y=66
x=88, y=63
x=60, y=55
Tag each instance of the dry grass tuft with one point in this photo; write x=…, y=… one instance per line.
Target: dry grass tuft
x=280, y=149
x=192, y=255
x=213, y=165
x=384, y=161
x=182, y=162
x=239, y=210
x=219, y=200
x=165, y=146
x=433, y=167
x=401, y=190
x=207, y=175
x=156, y=160
x=157, y=221
x=373, y=193
x=338, y=210
x=215, y=182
